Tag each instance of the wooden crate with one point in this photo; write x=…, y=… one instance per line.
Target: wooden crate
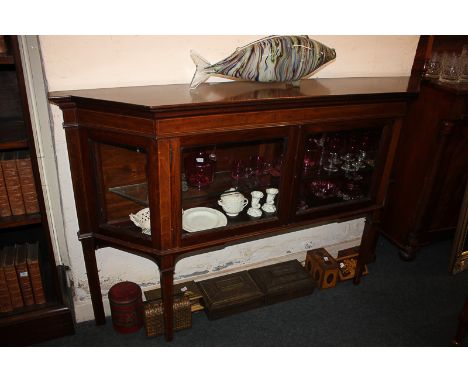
x=322, y=267
x=229, y=294
x=283, y=281
x=347, y=260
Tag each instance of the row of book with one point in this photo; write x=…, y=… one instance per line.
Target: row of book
x=17, y=189
x=20, y=277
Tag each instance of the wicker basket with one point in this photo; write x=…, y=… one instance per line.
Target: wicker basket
x=154, y=321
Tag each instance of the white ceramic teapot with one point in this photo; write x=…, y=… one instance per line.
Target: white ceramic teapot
x=232, y=202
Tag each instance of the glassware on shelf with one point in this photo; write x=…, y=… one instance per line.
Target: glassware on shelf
x=464, y=64
x=351, y=189
x=332, y=145
x=238, y=169
x=433, y=66
x=362, y=152
x=261, y=169
x=350, y=157
x=312, y=155
x=324, y=188
x=277, y=167
x=450, y=68
x=258, y=163
x=199, y=169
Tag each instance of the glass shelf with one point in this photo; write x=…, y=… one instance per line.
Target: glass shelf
x=223, y=181
x=137, y=193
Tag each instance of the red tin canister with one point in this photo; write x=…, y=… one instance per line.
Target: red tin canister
x=126, y=305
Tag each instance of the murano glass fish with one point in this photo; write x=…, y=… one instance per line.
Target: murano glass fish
x=270, y=59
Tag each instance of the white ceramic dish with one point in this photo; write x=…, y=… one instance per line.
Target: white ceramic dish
x=202, y=218
x=142, y=219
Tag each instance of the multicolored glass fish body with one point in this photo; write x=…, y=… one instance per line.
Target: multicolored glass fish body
x=271, y=59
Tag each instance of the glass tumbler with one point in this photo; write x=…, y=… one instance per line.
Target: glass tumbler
x=450, y=68
x=464, y=64
x=433, y=66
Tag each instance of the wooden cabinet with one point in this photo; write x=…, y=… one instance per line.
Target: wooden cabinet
x=36, y=322
x=168, y=155
x=431, y=165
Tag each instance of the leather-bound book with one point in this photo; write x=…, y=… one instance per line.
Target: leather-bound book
x=35, y=273
x=5, y=209
x=5, y=301
x=11, y=278
x=28, y=187
x=12, y=182
x=21, y=266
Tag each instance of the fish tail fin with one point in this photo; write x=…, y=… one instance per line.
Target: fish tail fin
x=200, y=75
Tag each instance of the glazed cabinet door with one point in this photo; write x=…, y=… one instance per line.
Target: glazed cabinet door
x=232, y=183
x=119, y=176
x=339, y=167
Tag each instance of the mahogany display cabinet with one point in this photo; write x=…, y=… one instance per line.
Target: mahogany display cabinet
x=165, y=153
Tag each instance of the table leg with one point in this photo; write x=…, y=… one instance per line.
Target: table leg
x=167, y=285
x=93, y=280
x=368, y=244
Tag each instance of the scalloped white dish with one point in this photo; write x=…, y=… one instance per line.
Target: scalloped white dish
x=202, y=218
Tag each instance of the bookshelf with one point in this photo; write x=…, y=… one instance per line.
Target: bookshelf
x=27, y=222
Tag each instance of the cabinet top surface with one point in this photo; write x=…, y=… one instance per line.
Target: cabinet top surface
x=164, y=97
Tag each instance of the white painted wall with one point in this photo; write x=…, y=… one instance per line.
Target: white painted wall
x=80, y=62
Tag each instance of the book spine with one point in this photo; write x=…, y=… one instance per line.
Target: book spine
x=5, y=209
x=36, y=282
x=10, y=174
x=28, y=187
x=5, y=301
x=25, y=284
x=13, y=287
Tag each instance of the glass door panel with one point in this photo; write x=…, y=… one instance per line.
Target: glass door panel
x=337, y=168
x=226, y=185
x=121, y=184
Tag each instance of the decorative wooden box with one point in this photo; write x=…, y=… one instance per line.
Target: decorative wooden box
x=283, y=281
x=153, y=315
x=189, y=289
x=347, y=260
x=230, y=294
x=323, y=268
